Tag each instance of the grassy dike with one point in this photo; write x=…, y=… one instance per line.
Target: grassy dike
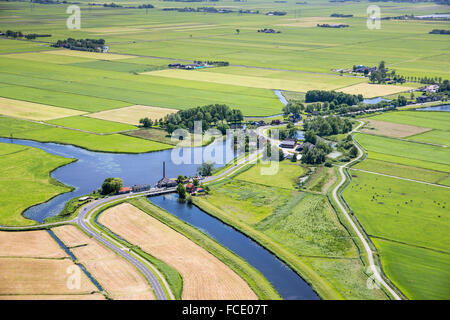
x=323, y=288
x=259, y=284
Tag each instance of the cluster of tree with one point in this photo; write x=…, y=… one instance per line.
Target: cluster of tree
x=53, y=2
x=268, y=31
x=327, y=25
x=439, y=31
x=293, y=107
x=111, y=186
x=326, y=126
x=19, y=34
x=332, y=96
x=276, y=13
x=315, y=154
x=340, y=15
x=214, y=63
x=81, y=44
x=200, y=9
x=205, y=169
x=347, y=146
x=214, y=115
x=444, y=86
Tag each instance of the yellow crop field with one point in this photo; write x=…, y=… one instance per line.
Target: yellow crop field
x=34, y=111
x=132, y=114
x=303, y=83
x=116, y=275
x=19, y=276
x=204, y=276
x=369, y=90
x=29, y=244
x=92, y=55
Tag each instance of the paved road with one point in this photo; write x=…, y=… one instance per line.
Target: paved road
x=373, y=266
x=148, y=270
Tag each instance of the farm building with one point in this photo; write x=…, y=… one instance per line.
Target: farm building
x=165, y=182
x=124, y=190
x=305, y=145
x=288, y=143
x=140, y=188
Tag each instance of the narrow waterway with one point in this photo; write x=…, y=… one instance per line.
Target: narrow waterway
x=91, y=168
x=286, y=282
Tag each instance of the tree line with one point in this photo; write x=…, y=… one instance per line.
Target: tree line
x=218, y=116
x=81, y=44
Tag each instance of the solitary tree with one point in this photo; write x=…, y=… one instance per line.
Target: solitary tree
x=181, y=190
x=111, y=185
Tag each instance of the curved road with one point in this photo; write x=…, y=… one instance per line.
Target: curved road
x=374, y=267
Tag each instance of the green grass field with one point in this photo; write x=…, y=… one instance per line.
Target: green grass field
x=420, y=274
x=434, y=137
x=106, y=143
x=286, y=176
x=26, y=169
x=410, y=150
x=400, y=170
x=300, y=227
x=426, y=119
x=410, y=213
x=92, y=124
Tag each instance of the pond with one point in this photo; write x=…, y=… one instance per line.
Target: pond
x=374, y=100
x=436, y=108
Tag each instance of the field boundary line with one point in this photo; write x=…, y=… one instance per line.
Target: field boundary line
x=395, y=177
x=408, y=244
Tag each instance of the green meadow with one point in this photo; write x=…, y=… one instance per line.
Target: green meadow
x=434, y=137
x=287, y=174
x=399, y=170
x=299, y=227
x=405, y=149
x=410, y=213
x=421, y=274
x=26, y=169
x=92, y=124
x=426, y=119
x=22, y=129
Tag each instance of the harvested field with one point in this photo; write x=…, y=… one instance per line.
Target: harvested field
x=34, y=111
x=301, y=83
x=393, y=130
x=24, y=276
x=132, y=114
x=38, y=244
x=374, y=90
x=308, y=22
x=116, y=275
x=91, y=55
x=204, y=276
